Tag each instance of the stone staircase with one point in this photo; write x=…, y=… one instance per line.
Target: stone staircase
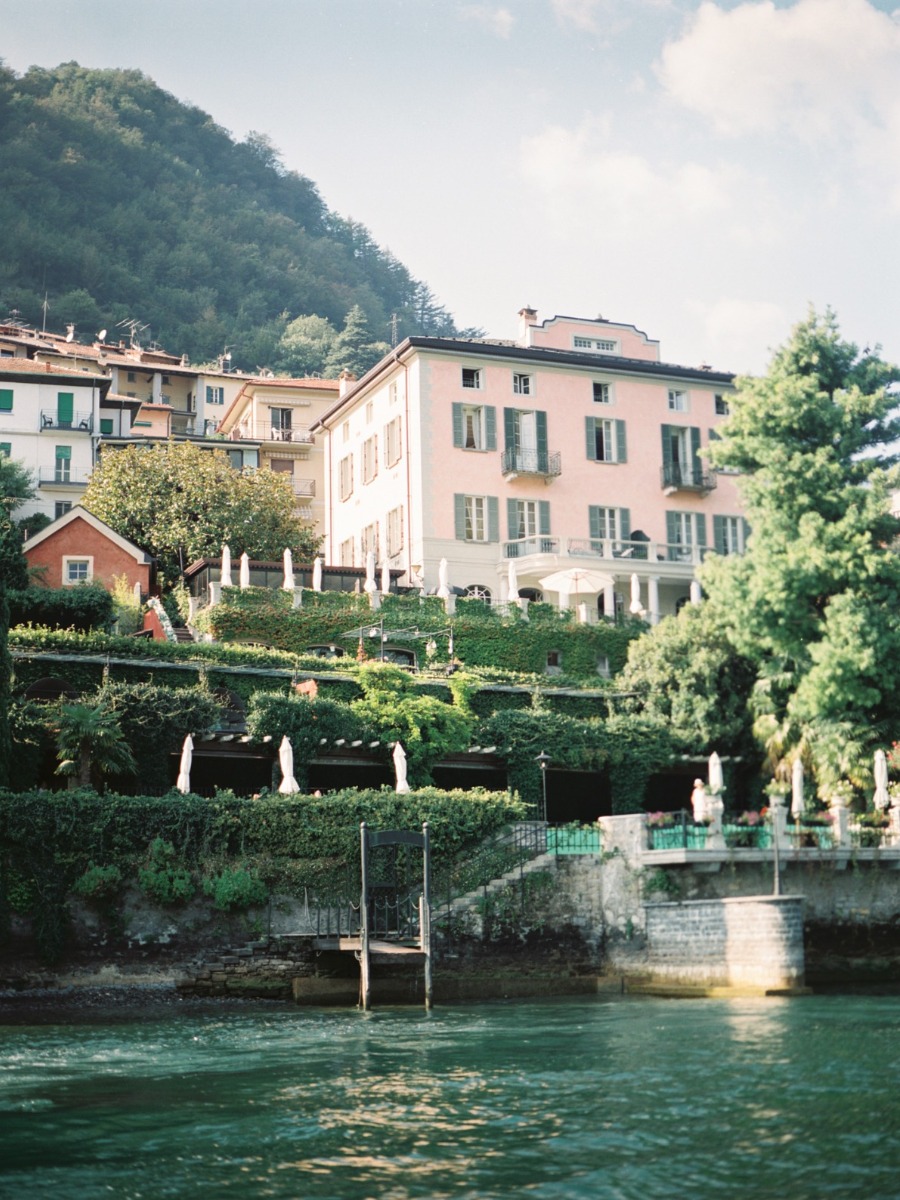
x=469, y=904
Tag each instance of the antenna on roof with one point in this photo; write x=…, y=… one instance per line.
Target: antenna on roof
x=101, y=336
x=394, y=322
x=135, y=329
x=44, y=306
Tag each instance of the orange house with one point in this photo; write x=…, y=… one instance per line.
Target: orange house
x=80, y=548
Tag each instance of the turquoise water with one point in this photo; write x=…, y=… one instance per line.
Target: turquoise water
x=619, y=1098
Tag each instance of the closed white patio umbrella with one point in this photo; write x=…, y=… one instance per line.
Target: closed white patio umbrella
x=882, y=798
x=317, y=574
x=443, y=579
x=400, y=767
x=226, y=566
x=288, y=784
x=288, y=583
x=184, y=767
x=370, y=585
x=716, y=779
x=385, y=578
x=798, y=803
x=245, y=570
x=513, y=580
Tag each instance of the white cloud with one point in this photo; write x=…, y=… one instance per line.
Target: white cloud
x=580, y=13
x=818, y=68
x=498, y=21
x=743, y=332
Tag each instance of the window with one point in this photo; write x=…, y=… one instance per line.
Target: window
x=722, y=409
x=478, y=591
x=77, y=570
x=522, y=385
x=686, y=536
x=65, y=409
x=345, y=432
x=61, y=507
x=525, y=438
x=583, y=343
x=682, y=466
x=62, y=471
x=346, y=553
x=6, y=399
x=131, y=377
x=554, y=662
x=214, y=395
x=603, y=667
x=369, y=459
x=393, y=447
x=608, y=524
x=370, y=412
x=605, y=440
x=106, y=425
x=471, y=377
x=369, y=541
x=602, y=393
x=393, y=393
x=282, y=466
x=604, y=345
x=395, y=531
x=528, y=519
x=280, y=420
x=166, y=380
x=475, y=426
x=6, y=449
x=678, y=401
x=729, y=535
x=476, y=518
x=345, y=475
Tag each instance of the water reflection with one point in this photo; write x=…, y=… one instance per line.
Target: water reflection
x=579, y=1098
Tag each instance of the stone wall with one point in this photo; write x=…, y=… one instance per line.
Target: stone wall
x=742, y=942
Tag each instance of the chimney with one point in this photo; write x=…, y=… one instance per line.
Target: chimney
x=527, y=318
x=346, y=380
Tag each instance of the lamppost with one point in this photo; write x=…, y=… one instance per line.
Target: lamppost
x=378, y=631
x=543, y=760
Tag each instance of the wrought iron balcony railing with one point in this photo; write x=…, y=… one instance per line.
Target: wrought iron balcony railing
x=677, y=478
x=50, y=476
x=79, y=422
x=531, y=462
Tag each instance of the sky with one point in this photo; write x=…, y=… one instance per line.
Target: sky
x=704, y=171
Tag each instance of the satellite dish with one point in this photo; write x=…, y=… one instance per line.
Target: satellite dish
x=70, y=335
x=101, y=336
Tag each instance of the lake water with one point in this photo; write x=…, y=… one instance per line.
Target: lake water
x=599, y=1097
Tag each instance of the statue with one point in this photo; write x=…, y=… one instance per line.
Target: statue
x=699, y=802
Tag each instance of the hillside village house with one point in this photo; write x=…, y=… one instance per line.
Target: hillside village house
x=276, y=415
x=80, y=548
x=574, y=448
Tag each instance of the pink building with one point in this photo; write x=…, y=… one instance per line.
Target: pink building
x=573, y=449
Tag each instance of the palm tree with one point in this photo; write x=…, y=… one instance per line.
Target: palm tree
x=88, y=738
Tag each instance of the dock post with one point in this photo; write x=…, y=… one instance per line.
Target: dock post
x=425, y=916
x=364, y=981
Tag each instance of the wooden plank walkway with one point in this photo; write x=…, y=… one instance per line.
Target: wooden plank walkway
x=385, y=952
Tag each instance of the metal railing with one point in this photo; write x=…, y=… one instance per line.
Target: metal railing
x=264, y=431
x=608, y=549
x=681, y=833
x=531, y=462
x=48, y=476
x=80, y=422
x=686, y=479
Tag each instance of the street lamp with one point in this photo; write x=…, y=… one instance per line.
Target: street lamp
x=543, y=760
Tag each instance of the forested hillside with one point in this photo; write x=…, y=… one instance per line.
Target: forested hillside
x=118, y=201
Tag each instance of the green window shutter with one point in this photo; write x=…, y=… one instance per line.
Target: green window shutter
x=6, y=399
x=590, y=432
x=696, y=461
x=671, y=527
x=719, y=535
x=209, y=394
x=65, y=407
x=625, y=524
x=490, y=427
x=621, y=447
x=493, y=507
x=509, y=429
x=540, y=421
x=457, y=426
x=701, y=529
x=512, y=518
x=63, y=451
x=667, y=446
x=6, y=449
x=594, y=519
x=543, y=516
x=459, y=516
x=747, y=532
x=106, y=425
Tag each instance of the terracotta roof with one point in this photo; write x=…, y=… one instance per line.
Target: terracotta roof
x=28, y=366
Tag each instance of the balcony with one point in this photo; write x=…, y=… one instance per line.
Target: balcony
x=677, y=478
x=55, y=477
x=264, y=431
x=302, y=487
x=530, y=462
x=80, y=422
x=617, y=553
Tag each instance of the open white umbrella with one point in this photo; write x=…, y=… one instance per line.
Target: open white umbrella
x=400, y=767
x=317, y=574
x=288, y=784
x=575, y=580
x=288, y=584
x=226, y=566
x=636, y=607
x=882, y=799
x=370, y=585
x=513, y=578
x=244, y=576
x=184, y=767
x=385, y=578
x=798, y=803
x=716, y=779
x=443, y=579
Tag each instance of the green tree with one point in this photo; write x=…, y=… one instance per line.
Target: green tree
x=16, y=486
x=813, y=603
x=182, y=503
x=354, y=349
x=89, y=740
x=305, y=346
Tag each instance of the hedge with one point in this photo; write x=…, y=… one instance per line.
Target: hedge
x=88, y=606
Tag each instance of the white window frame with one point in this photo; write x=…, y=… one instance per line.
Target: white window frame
x=607, y=426
x=601, y=345
x=528, y=519
x=522, y=385
x=346, y=552
x=345, y=477
x=70, y=560
x=369, y=540
x=370, y=411
x=394, y=531
x=734, y=534
x=612, y=523
x=214, y=395
x=605, y=391
x=477, y=529
x=721, y=405
x=393, y=442
x=345, y=432
x=369, y=459
x=473, y=421
x=471, y=378
x=678, y=400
